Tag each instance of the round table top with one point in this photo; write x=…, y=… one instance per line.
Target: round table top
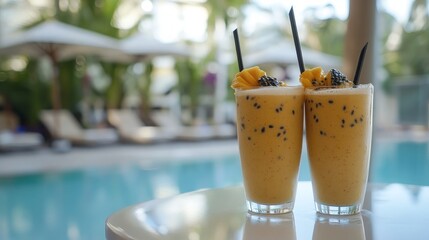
x=393, y=211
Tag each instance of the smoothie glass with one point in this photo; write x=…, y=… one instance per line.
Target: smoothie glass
x=269, y=129
x=338, y=132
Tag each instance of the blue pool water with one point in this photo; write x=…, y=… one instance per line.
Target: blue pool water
x=75, y=204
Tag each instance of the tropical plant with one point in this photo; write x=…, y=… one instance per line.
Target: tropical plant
x=402, y=59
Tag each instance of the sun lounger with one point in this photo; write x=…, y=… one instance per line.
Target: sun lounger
x=169, y=120
x=62, y=125
x=132, y=129
x=11, y=140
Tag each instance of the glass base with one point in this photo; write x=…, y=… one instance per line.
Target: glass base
x=269, y=208
x=337, y=210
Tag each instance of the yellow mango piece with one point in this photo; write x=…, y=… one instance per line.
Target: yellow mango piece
x=256, y=72
x=312, y=77
x=247, y=78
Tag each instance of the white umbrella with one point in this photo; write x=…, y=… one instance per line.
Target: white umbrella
x=284, y=54
x=59, y=41
x=142, y=46
x=62, y=40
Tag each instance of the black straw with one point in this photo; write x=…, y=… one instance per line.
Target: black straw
x=237, y=49
x=360, y=63
x=296, y=40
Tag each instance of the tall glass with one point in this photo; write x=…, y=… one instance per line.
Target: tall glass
x=338, y=132
x=269, y=127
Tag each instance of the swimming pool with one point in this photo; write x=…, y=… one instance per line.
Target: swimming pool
x=74, y=204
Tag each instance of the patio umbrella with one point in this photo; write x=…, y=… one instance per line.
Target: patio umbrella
x=284, y=54
x=142, y=46
x=60, y=41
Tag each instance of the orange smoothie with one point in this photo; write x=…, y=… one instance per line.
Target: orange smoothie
x=338, y=132
x=269, y=126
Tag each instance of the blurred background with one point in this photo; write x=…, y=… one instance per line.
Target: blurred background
x=200, y=59
x=92, y=93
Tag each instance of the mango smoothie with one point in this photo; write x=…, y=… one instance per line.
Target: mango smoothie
x=269, y=126
x=338, y=132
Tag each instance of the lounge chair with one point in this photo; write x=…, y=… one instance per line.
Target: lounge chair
x=62, y=125
x=12, y=140
x=132, y=129
x=169, y=120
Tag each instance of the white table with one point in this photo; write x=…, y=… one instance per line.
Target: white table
x=392, y=211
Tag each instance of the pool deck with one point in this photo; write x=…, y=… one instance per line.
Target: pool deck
x=46, y=159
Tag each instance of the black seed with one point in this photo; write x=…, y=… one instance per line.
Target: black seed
x=314, y=117
x=255, y=104
x=278, y=134
x=243, y=126
x=281, y=109
x=311, y=109
x=342, y=125
x=282, y=127
x=262, y=129
x=361, y=119
x=321, y=132
x=337, y=78
x=249, y=138
x=353, y=112
x=356, y=121
x=277, y=110
x=330, y=101
x=352, y=125
x=317, y=120
x=255, y=130
x=284, y=132
x=268, y=81
x=284, y=139
x=343, y=121
x=293, y=112
x=344, y=108
x=270, y=126
x=258, y=107
x=247, y=97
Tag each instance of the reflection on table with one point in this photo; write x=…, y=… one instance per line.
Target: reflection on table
x=390, y=212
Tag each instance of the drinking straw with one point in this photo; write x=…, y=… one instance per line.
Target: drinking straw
x=237, y=49
x=296, y=40
x=360, y=63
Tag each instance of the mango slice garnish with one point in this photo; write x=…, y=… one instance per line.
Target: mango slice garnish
x=248, y=78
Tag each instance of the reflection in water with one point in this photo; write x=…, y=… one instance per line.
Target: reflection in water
x=269, y=227
x=339, y=227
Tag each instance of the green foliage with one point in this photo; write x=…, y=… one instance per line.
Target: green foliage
x=26, y=94
x=325, y=34
x=115, y=91
x=408, y=58
x=145, y=88
x=190, y=83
